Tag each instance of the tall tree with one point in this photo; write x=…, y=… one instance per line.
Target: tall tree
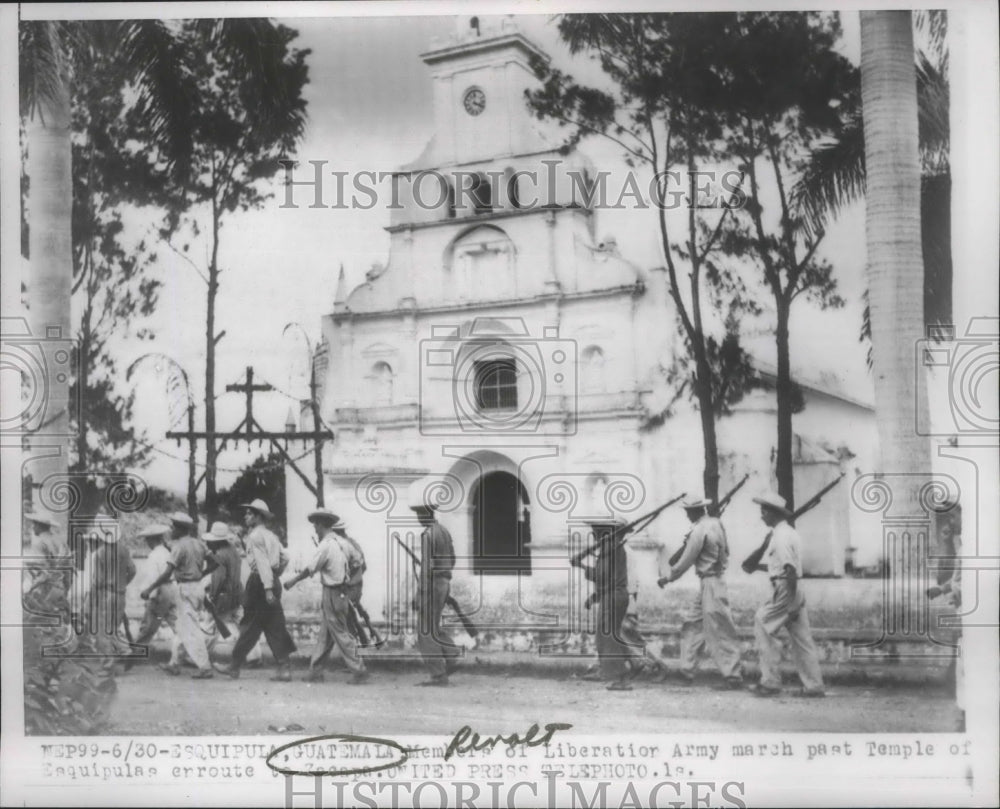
x=242, y=124
x=660, y=112
x=113, y=289
x=895, y=260
x=835, y=174
x=785, y=84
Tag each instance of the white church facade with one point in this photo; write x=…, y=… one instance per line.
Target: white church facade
x=515, y=359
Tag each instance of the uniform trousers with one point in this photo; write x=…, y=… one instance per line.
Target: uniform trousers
x=612, y=650
x=260, y=617
x=708, y=623
x=194, y=625
x=333, y=629
x=434, y=642
x=784, y=611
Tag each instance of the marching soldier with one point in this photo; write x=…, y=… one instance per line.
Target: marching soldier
x=610, y=576
x=111, y=570
x=333, y=564
x=707, y=621
x=262, y=612
x=437, y=560
x=161, y=606
x=787, y=607
x=225, y=588
x=188, y=565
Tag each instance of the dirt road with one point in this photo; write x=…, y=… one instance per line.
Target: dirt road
x=153, y=703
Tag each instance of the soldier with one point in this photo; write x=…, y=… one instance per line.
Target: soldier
x=188, y=565
x=707, y=621
x=787, y=607
x=111, y=569
x=262, y=612
x=161, y=606
x=49, y=560
x=610, y=576
x=332, y=563
x=437, y=560
x=225, y=587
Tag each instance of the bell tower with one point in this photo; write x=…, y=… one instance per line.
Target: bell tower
x=480, y=75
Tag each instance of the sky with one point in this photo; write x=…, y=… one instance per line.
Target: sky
x=369, y=107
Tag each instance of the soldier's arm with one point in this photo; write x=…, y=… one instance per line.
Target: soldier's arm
x=695, y=542
x=163, y=578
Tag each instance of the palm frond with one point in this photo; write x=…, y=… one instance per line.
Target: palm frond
x=933, y=99
x=166, y=92
x=833, y=178
x=43, y=65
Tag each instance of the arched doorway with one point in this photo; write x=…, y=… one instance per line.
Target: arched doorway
x=501, y=525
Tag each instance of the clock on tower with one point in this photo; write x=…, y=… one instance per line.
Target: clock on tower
x=474, y=101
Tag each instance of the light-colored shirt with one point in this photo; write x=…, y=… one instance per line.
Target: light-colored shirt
x=785, y=548
x=188, y=559
x=154, y=566
x=707, y=549
x=355, y=558
x=264, y=553
x=330, y=562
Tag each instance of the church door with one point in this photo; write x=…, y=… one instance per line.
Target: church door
x=501, y=526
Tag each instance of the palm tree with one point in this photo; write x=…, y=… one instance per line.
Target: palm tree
x=835, y=175
x=66, y=694
x=152, y=61
x=895, y=260
x=50, y=52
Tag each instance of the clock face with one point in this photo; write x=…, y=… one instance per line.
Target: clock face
x=474, y=101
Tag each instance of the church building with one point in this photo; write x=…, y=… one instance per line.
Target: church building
x=512, y=359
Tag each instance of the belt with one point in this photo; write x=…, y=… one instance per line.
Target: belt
x=187, y=581
x=709, y=575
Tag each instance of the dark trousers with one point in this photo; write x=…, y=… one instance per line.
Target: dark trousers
x=612, y=651
x=435, y=644
x=261, y=617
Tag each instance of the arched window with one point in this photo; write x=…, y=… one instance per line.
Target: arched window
x=592, y=370
x=381, y=378
x=496, y=384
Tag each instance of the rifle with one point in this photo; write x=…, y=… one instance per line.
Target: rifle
x=219, y=623
x=450, y=601
x=621, y=534
x=753, y=560
x=719, y=511
x=373, y=637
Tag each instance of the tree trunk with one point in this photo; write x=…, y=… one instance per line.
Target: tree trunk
x=895, y=261
x=50, y=209
x=895, y=282
x=210, y=445
x=710, y=476
x=783, y=463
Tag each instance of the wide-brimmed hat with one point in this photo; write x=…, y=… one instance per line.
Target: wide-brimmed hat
x=220, y=532
x=259, y=506
x=323, y=514
x=774, y=501
x=181, y=518
x=43, y=518
x=154, y=530
x=697, y=502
